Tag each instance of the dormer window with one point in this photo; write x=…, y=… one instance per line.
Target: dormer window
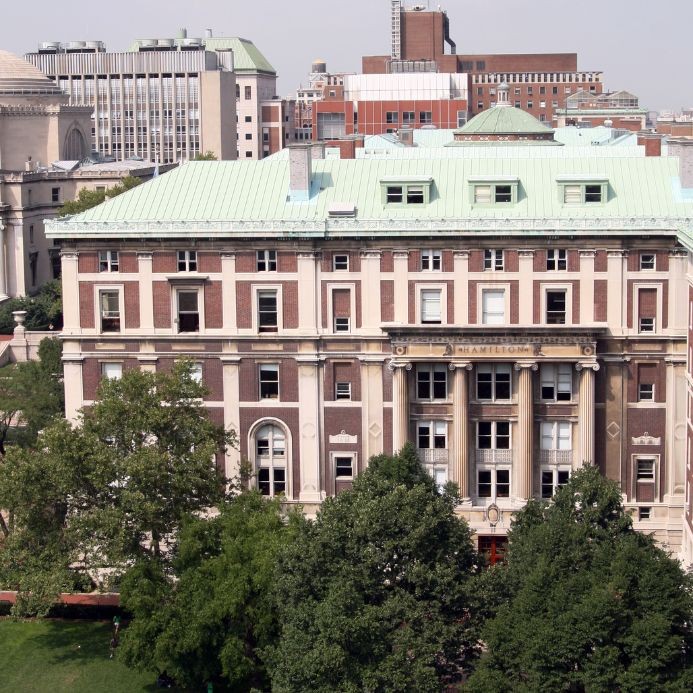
x=411, y=191
x=581, y=190
x=500, y=190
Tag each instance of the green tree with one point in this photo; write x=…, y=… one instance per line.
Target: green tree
x=117, y=488
x=209, y=155
x=584, y=602
x=372, y=595
x=86, y=199
x=209, y=620
x=44, y=310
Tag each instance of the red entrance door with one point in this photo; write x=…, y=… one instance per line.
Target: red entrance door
x=493, y=548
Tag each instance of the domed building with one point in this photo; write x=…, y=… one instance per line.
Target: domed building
x=504, y=123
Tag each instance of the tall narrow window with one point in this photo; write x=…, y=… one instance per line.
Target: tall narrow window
x=267, y=311
x=109, y=302
x=269, y=381
x=270, y=454
x=188, y=311
x=493, y=306
x=647, y=310
x=341, y=309
x=556, y=307
x=430, y=306
x=33, y=267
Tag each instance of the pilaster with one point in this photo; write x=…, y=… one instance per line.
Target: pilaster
x=460, y=424
x=400, y=404
x=586, y=406
x=524, y=482
x=401, y=264
x=145, y=276
x=228, y=289
x=309, y=429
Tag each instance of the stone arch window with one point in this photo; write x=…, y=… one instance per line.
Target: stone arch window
x=75, y=149
x=271, y=459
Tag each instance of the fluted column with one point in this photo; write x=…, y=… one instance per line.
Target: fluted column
x=3, y=277
x=400, y=404
x=522, y=469
x=460, y=424
x=586, y=412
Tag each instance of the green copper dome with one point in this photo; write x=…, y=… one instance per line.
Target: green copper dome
x=503, y=120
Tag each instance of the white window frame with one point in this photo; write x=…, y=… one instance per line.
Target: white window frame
x=655, y=459
x=334, y=262
x=558, y=257
x=351, y=288
x=200, y=306
x=568, y=288
x=556, y=435
x=642, y=263
x=556, y=375
x=493, y=369
x=268, y=368
x=188, y=259
x=112, y=370
x=266, y=260
x=574, y=193
x=494, y=260
x=256, y=289
x=109, y=260
x=352, y=456
x=268, y=461
x=345, y=394
x=555, y=471
x=483, y=313
x=637, y=321
x=431, y=369
x=104, y=288
x=494, y=434
x=437, y=428
x=442, y=290
x=643, y=394
x=493, y=470
x=431, y=260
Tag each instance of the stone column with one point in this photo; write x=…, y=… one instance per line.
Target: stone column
x=461, y=293
x=526, y=274
x=400, y=404
x=145, y=277
x=524, y=458
x=69, y=260
x=3, y=275
x=72, y=372
x=586, y=407
x=309, y=429
x=460, y=426
x=308, y=292
x=372, y=404
x=232, y=411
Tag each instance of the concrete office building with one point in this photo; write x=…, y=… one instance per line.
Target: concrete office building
x=513, y=315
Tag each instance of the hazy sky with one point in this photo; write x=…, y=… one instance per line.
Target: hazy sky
x=644, y=47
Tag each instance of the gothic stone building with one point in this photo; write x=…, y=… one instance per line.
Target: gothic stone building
x=513, y=317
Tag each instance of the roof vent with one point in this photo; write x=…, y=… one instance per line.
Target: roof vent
x=339, y=210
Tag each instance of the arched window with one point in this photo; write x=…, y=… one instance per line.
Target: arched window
x=75, y=149
x=270, y=460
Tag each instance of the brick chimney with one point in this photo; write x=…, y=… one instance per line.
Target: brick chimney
x=682, y=147
x=406, y=137
x=300, y=171
x=652, y=141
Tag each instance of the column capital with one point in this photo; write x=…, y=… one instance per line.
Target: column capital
x=617, y=253
x=400, y=254
x=587, y=365
x=144, y=255
x=462, y=254
x=524, y=365
x=587, y=253
x=69, y=254
x=371, y=254
x=307, y=255
x=228, y=255
x=526, y=252
x=460, y=365
x=395, y=365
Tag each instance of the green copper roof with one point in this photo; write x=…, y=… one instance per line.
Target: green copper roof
x=246, y=56
x=228, y=198
x=503, y=120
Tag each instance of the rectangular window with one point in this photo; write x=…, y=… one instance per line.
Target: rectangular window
x=55, y=194
x=482, y=194
x=266, y=260
x=109, y=302
x=647, y=261
x=340, y=263
x=431, y=382
x=342, y=391
x=493, y=483
x=493, y=382
x=493, y=435
x=556, y=260
x=394, y=194
x=432, y=435
x=644, y=513
x=408, y=117
x=341, y=310
x=344, y=466
x=415, y=195
x=391, y=117
x=646, y=392
x=493, y=260
x=188, y=311
x=493, y=306
x=572, y=194
x=552, y=480
x=431, y=260
x=108, y=261
x=269, y=381
x=593, y=193
x=267, y=311
x=503, y=193
x=556, y=307
x=112, y=371
x=556, y=382
x=430, y=307
x=556, y=435
x=196, y=372
x=187, y=261
x=33, y=267
x=647, y=310
x=646, y=470
x=425, y=117
x=248, y=93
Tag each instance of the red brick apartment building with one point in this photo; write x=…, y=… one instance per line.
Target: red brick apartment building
x=539, y=83
x=515, y=318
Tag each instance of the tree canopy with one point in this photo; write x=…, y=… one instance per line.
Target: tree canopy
x=86, y=199
x=115, y=489
x=372, y=595
x=209, y=155
x=44, y=310
x=584, y=602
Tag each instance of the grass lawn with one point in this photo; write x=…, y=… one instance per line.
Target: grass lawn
x=61, y=656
